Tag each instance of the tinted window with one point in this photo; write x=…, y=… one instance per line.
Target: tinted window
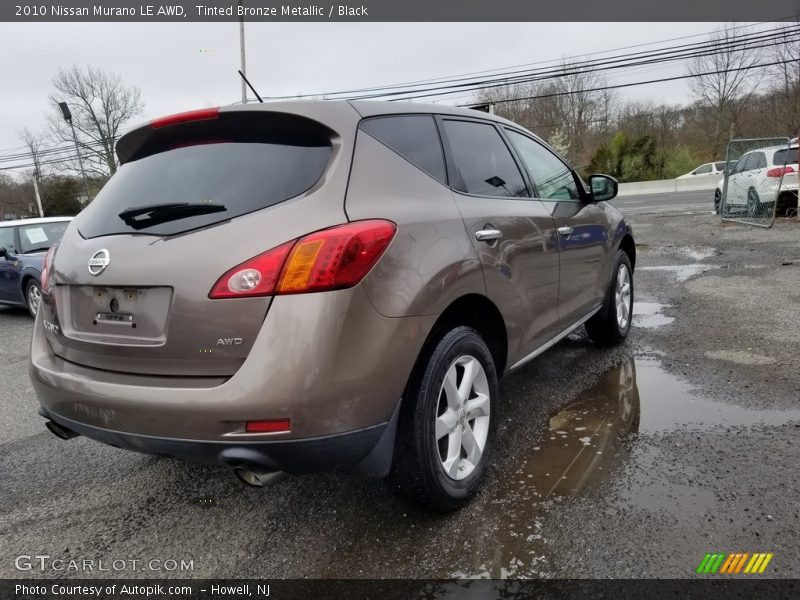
x=483, y=162
x=702, y=170
x=759, y=161
x=33, y=238
x=741, y=164
x=7, y=238
x=720, y=166
x=413, y=137
x=232, y=178
x=551, y=177
x=786, y=156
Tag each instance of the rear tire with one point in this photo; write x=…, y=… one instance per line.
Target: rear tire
x=613, y=322
x=753, y=204
x=448, y=418
x=717, y=201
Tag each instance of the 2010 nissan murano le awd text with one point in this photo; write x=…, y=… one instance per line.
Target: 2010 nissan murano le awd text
x=324, y=285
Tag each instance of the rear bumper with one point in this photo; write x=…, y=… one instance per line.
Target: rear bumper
x=328, y=362
x=367, y=450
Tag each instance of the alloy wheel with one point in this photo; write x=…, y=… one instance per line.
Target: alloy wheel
x=462, y=417
x=623, y=297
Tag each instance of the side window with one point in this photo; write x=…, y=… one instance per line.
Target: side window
x=483, y=162
x=741, y=164
x=759, y=161
x=414, y=137
x=720, y=166
x=552, y=178
x=703, y=170
x=7, y=238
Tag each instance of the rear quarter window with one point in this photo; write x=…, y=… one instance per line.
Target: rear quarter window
x=414, y=137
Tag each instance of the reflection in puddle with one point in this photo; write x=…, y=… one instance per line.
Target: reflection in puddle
x=586, y=443
x=648, y=315
x=586, y=438
x=682, y=272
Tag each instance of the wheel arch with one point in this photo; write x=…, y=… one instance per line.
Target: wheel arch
x=628, y=246
x=480, y=313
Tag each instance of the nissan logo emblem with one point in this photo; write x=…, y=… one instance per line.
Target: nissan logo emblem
x=99, y=261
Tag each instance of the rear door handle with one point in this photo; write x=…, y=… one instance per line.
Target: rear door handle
x=565, y=231
x=488, y=235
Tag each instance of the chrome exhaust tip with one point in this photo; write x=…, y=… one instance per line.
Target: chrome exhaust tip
x=59, y=431
x=256, y=478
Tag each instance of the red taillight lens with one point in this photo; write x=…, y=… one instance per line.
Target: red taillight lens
x=271, y=426
x=330, y=259
x=256, y=277
x=203, y=114
x=48, y=261
x=780, y=171
x=335, y=258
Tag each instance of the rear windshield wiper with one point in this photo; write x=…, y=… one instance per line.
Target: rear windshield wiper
x=141, y=217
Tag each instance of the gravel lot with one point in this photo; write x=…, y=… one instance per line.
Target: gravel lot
x=632, y=462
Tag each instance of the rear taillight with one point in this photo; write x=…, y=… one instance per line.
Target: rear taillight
x=331, y=259
x=780, y=171
x=48, y=262
x=256, y=277
x=203, y=114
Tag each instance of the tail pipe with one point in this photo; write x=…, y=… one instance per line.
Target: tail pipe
x=256, y=478
x=60, y=431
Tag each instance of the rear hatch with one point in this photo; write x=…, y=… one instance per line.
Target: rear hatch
x=196, y=195
x=786, y=161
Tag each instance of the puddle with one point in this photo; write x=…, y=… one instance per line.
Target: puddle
x=587, y=438
x=586, y=444
x=682, y=272
x=648, y=315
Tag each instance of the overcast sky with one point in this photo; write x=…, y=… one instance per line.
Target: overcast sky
x=182, y=66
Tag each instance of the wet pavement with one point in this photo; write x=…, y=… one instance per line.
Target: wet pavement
x=626, y=462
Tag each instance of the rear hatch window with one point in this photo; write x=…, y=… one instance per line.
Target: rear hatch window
x=786, y=156
x=194, y=175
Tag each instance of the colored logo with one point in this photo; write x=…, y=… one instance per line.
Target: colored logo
x=735, y=563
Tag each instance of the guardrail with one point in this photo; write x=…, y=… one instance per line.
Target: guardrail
x=696, y=183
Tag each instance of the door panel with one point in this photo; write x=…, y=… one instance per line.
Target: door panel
x=582, y=226
x=520, y=269
x=9, y=268
x=584, y=249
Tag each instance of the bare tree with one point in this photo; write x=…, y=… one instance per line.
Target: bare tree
x=785, y=79
x=724, y=81
x=100, y=104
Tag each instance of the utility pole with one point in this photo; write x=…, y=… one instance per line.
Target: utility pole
x=36, y=183
x=68, y=118
x=241, y=51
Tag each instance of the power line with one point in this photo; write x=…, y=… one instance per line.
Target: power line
x=506, y=71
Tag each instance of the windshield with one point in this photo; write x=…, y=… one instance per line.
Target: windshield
x=39, y=237
x=198, y=185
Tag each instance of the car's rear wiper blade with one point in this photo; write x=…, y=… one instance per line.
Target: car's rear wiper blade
x=140, y=217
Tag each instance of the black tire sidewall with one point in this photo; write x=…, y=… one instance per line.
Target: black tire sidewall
x=456, y=343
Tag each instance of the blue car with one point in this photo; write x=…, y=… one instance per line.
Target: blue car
x=23, y=245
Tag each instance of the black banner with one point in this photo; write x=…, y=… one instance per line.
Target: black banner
x=406, y=589
x=407, y=10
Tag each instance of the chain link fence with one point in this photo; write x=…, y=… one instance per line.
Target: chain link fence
x=760, y=174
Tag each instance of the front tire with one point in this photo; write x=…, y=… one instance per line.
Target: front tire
x=612, y=322
x=448, y=417
x=33, y=297
x=717, y=201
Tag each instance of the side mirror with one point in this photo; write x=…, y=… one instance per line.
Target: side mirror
x=604, y=187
